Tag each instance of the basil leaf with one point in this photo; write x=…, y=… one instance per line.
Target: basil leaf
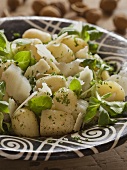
x=23, y=59
x=2, y=89
x=4, y=107
x=39, y=103
x=75, y=86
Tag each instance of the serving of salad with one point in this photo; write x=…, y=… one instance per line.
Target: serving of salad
x=53, y=85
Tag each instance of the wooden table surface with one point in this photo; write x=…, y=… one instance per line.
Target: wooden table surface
x=115, y=159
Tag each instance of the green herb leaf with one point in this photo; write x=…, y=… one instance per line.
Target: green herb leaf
x=4, y=107
x=69, y=30
x=2, y=89
x=75, y=86
x=92, y=63
x=23, y=59
x=2, y=41
x=16, y=34
x=1, y=122
x=104, y=118
x=105, y=96
x=94, y=34
x=114, y=108
x=4, y=45
x=4, y=126
x=92, y=109
x=39, y=103
x=32, y=61
x=22, y=41
x=93, y=47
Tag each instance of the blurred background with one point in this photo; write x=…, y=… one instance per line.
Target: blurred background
x=108, y=14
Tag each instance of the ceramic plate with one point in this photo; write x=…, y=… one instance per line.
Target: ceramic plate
x=96, y=139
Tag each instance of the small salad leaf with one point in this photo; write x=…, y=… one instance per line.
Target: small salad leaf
x=22, y=41
x=104, y=109
x=39, y=103
x=93, y=47
x=93, y=64
x=16, y=34
x=70, y=30
x=105, y=96
x=4, y=107
x=4, y=126
x=94, y=34
x=4, y=45
x=23, y=59
x=1, y=122
x=92, y=109
x=104, y=119
x=2, y=41
x=32, y=61
x=2, y=89
x=113, y=108
x=75, y=86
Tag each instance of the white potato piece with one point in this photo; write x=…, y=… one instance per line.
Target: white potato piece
x=122, y=81
x=55, y=82
x=86, y=75
x=80, y=108
x=65, y=100
x=55, y=122
x=61, y=52
x=117, y=92
x=35, y=33
x=39, y=68
x=17, y=86
x=74, y=43
x=24, y=123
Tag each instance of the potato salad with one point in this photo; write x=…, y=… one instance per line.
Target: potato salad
x=57, y=84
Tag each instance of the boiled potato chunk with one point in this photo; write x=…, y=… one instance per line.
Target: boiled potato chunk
x=65, y=100
x=54, y=122
x=36, y=33
x=117, y=92
x=55, y=82
x=24, y=123
x=74, y=43
x=61, y=52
